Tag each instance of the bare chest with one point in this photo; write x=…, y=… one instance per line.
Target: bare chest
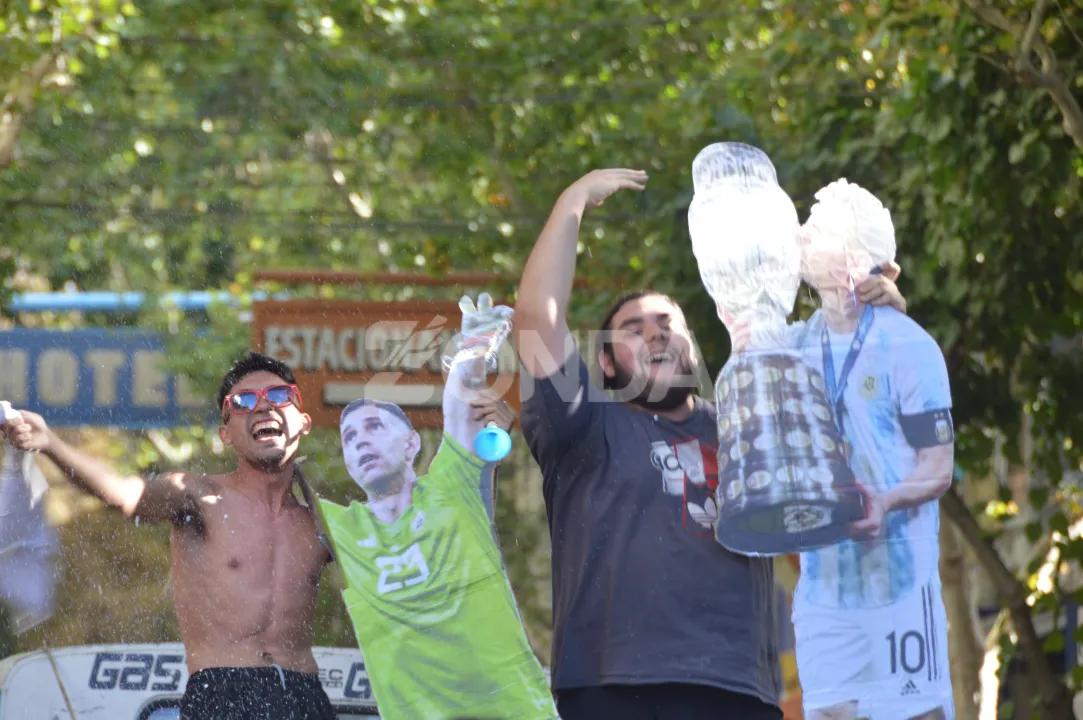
x=247, y=543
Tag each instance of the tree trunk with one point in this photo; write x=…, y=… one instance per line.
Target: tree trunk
x=964, y=646
x=1055, y=700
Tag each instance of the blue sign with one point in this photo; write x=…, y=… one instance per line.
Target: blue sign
x=95, y=377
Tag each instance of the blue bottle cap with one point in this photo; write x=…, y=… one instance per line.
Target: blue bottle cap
x=492, y=444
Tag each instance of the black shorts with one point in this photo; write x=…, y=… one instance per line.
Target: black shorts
x=670, y=701
x=257, y=693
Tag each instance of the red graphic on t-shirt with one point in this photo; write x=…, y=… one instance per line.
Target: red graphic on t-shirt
x=690, y=472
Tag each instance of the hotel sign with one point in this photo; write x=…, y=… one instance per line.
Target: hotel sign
x=96, y=377
x=342, y=350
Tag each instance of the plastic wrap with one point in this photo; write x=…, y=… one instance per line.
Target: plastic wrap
x=744, y=236
x=484, y=330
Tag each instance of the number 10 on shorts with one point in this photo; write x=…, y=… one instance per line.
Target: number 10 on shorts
x=906, y=651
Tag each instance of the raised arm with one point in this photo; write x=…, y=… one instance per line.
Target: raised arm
x=541, y=325
x=482, y=333
x=161, y=499
x=466, y=378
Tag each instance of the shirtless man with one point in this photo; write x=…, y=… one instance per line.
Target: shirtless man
x=246, y=558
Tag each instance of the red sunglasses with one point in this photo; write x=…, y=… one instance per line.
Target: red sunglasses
x=279, y=396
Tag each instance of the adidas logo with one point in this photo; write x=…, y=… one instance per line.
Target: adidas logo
x=910, y=688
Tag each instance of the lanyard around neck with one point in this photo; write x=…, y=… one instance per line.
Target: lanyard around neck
x=836, y=388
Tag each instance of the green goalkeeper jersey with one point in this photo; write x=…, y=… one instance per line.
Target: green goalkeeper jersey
x=432, y=608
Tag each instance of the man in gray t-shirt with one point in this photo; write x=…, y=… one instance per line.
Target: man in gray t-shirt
x=653, y=619
x=643, y=596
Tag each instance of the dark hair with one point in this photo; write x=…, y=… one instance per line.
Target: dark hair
x=604, y=345
x=252, y=363
x=389, y=407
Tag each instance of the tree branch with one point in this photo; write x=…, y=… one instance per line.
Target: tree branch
x=17, y=107
x=1026, y=45
x=1031, y=43
x=1055, y=696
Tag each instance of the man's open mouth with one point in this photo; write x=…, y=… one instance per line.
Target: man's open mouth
x=267, y=429
x=656, y=359
x=366, y=459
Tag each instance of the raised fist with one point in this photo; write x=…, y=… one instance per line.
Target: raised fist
x=25, y=430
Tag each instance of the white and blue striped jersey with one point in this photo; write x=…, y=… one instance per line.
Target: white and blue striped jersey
x=896, y=400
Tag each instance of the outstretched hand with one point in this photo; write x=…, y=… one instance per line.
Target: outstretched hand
x=595, y=187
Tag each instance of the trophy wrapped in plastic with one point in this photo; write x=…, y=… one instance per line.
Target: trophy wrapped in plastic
x=476, y=353
x=785, y=484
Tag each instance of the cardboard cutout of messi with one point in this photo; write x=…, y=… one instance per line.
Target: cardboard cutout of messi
x=869, y=622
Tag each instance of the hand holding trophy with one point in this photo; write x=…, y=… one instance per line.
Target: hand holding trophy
x=484, y=329
x=784, y=482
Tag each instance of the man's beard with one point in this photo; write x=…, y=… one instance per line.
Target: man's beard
x=675, y=395
x=272, y=462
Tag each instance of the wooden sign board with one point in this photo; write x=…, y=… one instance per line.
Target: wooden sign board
x=342, y=350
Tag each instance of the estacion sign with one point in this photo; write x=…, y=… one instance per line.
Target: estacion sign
x=342, y=350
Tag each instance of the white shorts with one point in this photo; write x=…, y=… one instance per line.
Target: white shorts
x=893, y=660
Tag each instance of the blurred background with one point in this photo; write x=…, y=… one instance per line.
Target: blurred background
x=169, y=146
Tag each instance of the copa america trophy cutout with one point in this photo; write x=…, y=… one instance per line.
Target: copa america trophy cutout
x=785, y=484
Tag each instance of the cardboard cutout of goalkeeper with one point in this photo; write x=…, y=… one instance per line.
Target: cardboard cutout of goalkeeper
x=432, y=609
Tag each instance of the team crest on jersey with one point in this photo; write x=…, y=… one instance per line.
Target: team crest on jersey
x=943, y=431
x=869, y=386
x=419, y=521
